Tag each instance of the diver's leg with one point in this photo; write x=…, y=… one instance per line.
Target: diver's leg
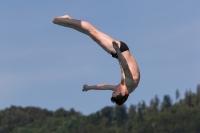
x=102, y=39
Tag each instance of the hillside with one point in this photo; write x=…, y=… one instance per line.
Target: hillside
x=161, y=116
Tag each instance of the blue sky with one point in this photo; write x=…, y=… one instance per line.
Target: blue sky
x=45, y=65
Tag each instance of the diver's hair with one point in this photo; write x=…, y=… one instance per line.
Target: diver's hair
x=119, y=99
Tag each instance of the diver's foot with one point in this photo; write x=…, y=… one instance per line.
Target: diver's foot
x=65, y=16
x=60, y=19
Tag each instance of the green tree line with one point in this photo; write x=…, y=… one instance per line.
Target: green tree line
x=160, y=116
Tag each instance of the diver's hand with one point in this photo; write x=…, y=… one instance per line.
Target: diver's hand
x=115, y=46
x=85, y=88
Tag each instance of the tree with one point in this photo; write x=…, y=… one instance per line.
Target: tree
x=197, y=99
x=198, y=89
x=154, y=104
x=120, y=114
x=167, y=102
x=60, y=113
x=140, y=113
x=177, y=94
x=108, y=112
x=132, y=111
x=188, y=98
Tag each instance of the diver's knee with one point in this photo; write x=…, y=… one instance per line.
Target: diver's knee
x=91, y=30
x=87, y=26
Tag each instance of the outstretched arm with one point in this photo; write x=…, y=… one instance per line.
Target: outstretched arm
x=99, y=87
x=129, y=82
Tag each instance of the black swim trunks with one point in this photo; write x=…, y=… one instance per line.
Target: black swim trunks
x=122, y=48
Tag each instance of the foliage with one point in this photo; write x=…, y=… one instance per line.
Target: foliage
x=159, y=117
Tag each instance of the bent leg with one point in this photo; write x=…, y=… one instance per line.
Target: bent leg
x=102, y=39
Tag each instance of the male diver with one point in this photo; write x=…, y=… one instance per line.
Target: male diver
x=130, y=74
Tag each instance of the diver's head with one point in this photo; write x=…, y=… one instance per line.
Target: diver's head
x=120, y=94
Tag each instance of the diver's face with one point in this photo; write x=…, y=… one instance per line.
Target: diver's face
x=116, y=91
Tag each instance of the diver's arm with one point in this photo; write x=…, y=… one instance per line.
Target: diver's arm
x=99, y=87
x=129, y=82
